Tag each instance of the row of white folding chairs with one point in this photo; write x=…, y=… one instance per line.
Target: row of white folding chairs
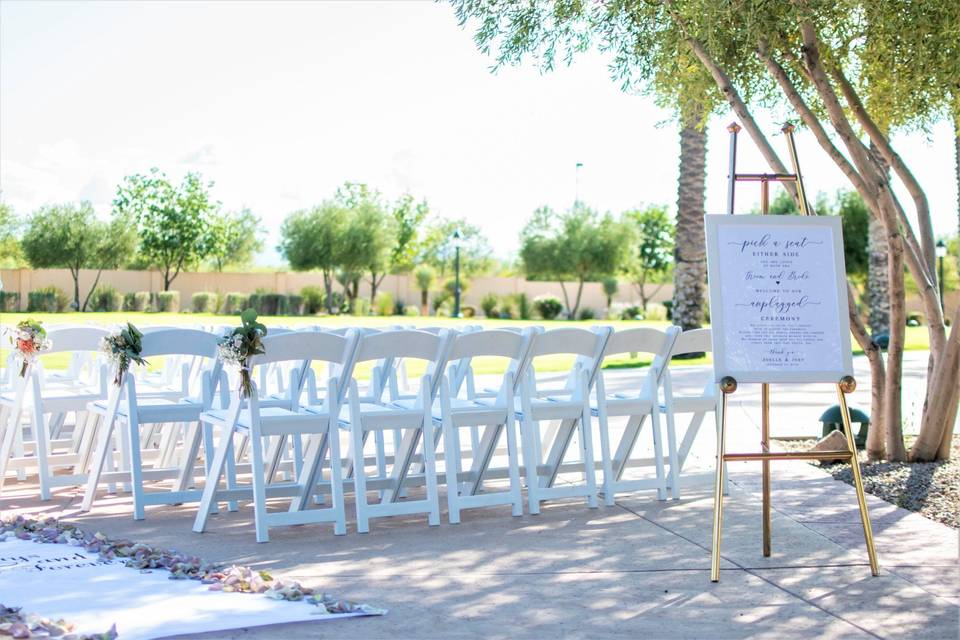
x=568, y=405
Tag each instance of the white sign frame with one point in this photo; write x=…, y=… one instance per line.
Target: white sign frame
x=835, y=366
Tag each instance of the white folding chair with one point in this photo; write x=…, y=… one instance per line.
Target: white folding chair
x=49, y=399
x=135, y=409
x=415, y=422
x=570, y=406
x=635, y=406
x=496, y=414
x=698, y=405
x=247, y=417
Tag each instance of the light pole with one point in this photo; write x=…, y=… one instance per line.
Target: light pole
x=457, y=241
x=576, y=199
x=941, y=254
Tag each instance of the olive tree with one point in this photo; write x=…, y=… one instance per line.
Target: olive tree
x=70, y=236
x=311, y=239
x=172, y=221
x=653, y=246
x=577, y=246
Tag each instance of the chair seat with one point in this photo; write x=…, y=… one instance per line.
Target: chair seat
x=58, y=398
x=152, y=409
x=465, y=412
x=690, y=404
x=623, y=404
x=272, y=419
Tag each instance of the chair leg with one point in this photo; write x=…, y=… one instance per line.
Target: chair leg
x=380, y=445
x=602, y=420
x=671, y=455
x=430, y=468
x=10, y=426
x=336, y=479
x=136, y=464
x=191, y=450
x=531, y=461
x=586, y=453
x=514, y=464
x=214, y=472
x=658, y=457
x=104, y=446
x=451, y=450
x=359, y=479
x=42, y=452
x=232, y=458
x=310, y=472
x=259, y=486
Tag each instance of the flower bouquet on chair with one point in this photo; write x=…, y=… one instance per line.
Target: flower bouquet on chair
x=122, y=347
x=29, y=341
x=239, y=345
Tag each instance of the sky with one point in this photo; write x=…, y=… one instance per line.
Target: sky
x=280, y=102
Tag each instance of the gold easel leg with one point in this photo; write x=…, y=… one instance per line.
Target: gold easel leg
x=718, y=494
x=765, y=447
x=857, y=482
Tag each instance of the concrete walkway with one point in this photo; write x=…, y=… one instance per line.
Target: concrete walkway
x=639, y=569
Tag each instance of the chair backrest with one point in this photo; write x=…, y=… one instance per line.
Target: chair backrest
x=693, y=341
x=586, y=345
x=183, y=342
x=389, y=347
x=647, y=340
x=490, y=343
x=306, y=345
x=337, y=351
x=76, y=339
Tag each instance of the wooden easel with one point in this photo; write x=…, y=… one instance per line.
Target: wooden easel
x=728, y=386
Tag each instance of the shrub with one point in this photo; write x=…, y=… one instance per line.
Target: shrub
x=384, y=304
x=668, y=305
x=411, y=311
x=587, y=314
x=293, y=305
x=339, y=302
x=523, y=306
x=234, y=303
x=655, y=311
x=266, y=303
x=399, y=308
x=312, y=300
x=440, y=298
x=361, y=307
x=48, y=300
x=915, y=319
x=548, y=306
x=489, y=305
x=106, y=298
x=468, y=311
x=129, y=300
x=168, y=301
x=9, y=301
x=204, y=302
x=631, y=312
x=141, y=301
x=506, y=310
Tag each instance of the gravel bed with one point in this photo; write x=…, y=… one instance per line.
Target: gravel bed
x=931, y=489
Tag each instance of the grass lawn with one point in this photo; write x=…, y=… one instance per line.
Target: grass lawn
x=916, y=336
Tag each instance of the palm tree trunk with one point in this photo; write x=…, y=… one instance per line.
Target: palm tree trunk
x=878, y=284
x=690, y=252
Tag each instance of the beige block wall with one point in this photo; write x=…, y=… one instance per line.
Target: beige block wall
x=401, y=287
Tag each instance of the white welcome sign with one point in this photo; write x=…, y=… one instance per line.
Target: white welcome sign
x=778, y=301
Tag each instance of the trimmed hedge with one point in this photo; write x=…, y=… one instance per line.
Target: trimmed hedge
x=548, y=306
x=9, y=301
x=48, y=300
x=204, y=302
x=167, y=301
x=141, y=302
x=106, y=298
x=233, y=303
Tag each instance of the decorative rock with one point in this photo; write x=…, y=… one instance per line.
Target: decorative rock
x=833, y=441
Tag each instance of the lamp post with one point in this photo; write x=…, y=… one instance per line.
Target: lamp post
x=457, y=241
x=941, y=254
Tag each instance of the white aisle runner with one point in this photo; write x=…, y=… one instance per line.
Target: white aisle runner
x=63, y=581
